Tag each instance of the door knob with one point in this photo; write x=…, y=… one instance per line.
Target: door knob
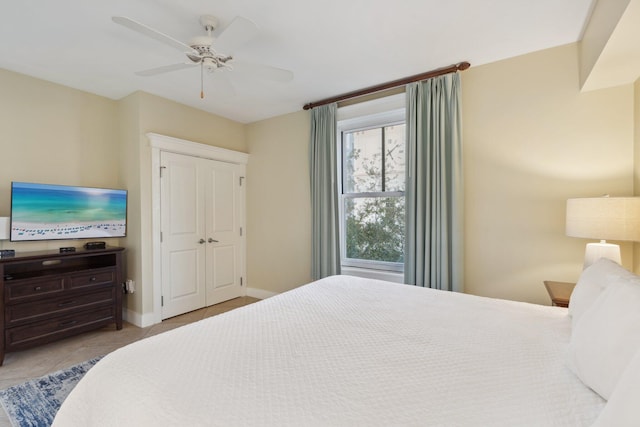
x=201, y=241
x=212, y=241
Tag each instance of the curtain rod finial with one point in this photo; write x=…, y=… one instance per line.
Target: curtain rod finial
x=463, y=66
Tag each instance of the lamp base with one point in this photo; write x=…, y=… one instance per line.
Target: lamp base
x=595, y=251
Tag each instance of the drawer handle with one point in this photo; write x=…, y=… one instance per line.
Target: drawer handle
x=68, y=323
x=37, y=288
x=62, y=304
x=93, y=279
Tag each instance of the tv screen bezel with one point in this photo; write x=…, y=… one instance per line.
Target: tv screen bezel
x=13, y=238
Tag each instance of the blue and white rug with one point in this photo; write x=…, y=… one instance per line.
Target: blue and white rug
x=36, y=402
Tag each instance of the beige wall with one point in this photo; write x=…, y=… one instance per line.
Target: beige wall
x=52, y=134
x=169, y=118
x=278, y=203
x=636, y=162
x=531, y=141
x=159, y=115
x=129, y=173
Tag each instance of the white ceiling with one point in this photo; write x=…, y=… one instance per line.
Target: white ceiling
x=332, y=46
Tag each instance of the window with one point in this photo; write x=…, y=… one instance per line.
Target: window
x=372, y=184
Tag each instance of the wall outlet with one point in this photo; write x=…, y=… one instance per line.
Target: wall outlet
x=131, y=286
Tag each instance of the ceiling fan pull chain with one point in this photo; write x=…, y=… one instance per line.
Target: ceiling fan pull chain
x=201, y=80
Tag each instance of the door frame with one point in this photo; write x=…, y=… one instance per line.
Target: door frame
x=158, y=144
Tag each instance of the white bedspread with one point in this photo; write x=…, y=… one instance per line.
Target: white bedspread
x=346, y=351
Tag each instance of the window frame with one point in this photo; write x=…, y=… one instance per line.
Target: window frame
x=392, y=117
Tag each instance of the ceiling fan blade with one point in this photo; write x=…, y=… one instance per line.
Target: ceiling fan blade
x=234, y=35
x=164, y=69
x=150, y=32
x=263, y=71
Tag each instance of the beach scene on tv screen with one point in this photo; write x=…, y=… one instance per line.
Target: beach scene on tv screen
x=51, y=212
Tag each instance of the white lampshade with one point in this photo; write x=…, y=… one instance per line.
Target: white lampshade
x=603, y=218
x=4, y=228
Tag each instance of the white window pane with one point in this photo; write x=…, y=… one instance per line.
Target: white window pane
x=362, y=161
x=394, y=151
x=373, y=162
x=375, y=228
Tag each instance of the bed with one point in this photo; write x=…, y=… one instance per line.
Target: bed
x=347, y=351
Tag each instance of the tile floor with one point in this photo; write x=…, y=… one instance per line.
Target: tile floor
x=36, y=362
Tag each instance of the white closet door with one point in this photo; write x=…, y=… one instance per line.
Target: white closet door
x=224, y=241
x=183, y=227
x=202, y=211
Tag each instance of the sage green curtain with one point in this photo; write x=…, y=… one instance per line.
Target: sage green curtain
x=434, y=198
x=325, y=241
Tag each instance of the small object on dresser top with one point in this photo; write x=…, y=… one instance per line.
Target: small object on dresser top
x=6, y=253
x=95, y=245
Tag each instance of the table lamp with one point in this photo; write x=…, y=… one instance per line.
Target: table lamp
x=604, y=218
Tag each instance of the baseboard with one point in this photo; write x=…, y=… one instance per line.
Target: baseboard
x=260, y=293
x=144, y=320
x=141, y=321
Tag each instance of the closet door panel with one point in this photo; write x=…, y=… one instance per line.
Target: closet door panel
x=223, y=232
x=183, y=227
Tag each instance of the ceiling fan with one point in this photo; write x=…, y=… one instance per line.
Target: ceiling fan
x=200, y=49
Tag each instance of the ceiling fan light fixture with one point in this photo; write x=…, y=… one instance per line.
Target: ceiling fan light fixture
x=210, y=64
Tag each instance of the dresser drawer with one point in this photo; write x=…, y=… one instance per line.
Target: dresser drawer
x=34, y=311
x=56, y=328
x=91, y=279
x=49, y=295
x=28, y=289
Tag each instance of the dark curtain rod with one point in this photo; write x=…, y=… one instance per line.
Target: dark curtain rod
x=384, y=86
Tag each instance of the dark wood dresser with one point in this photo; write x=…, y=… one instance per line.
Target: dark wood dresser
x=48, y=295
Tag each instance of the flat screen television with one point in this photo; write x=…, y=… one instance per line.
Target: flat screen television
x=56, y=212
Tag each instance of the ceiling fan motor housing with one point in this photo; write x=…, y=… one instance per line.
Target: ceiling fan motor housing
x=201, y=42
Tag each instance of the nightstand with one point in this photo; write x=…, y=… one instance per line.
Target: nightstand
x=560, y=292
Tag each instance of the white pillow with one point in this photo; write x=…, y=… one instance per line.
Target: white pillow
x=607, y=336
x=593, y=280
x=623, y=408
